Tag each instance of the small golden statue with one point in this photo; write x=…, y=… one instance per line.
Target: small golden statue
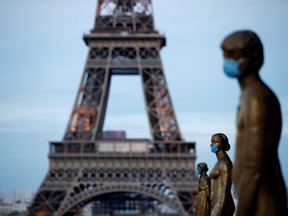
x=222, y=203
x=203, y=207
x=257, y=173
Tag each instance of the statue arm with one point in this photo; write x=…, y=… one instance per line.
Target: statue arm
x=254, y=139
x=225, y=182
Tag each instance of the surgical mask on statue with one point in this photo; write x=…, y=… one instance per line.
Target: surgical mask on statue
x=198, y=172
x=214, y=148
x=231, y=68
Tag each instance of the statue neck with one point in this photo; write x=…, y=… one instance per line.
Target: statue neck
x=220, y=154
x=249, y=79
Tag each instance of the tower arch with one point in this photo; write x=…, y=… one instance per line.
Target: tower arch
x=73, y=203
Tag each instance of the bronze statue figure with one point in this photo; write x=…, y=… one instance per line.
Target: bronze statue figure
x=222, y=203
x=203, y=207
x=257, y=173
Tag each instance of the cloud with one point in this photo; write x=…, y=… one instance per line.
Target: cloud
x=206, y=122
x=28, y=118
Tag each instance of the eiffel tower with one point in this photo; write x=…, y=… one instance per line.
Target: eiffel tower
x=120, y=176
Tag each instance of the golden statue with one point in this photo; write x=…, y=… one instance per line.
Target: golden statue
x=257, y=173
x=222, y=203
x=203, y=207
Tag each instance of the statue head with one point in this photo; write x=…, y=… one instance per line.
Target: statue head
x=219, y=141
x=243, y=53
x=202, y=167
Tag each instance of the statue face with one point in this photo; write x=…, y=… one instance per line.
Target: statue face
x=246, y=48
x=198, y=171
x=216, y=143
x=235, y=62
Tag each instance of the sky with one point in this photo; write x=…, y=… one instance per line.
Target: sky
x=42, y=56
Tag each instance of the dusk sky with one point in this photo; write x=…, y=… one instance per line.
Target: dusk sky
x=42, y=57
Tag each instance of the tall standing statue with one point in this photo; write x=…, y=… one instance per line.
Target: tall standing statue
x=222, y=203
x=257, y=173
x=203, y=207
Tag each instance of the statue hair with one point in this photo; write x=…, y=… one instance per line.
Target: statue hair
x=203, y=166
x=224, y=141
x=249, y=43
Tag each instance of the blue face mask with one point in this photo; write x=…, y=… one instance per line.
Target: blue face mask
x=214, y=148
x=198, y=172
x=231, y=68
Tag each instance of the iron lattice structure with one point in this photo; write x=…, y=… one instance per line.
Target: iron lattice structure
x=120, y=176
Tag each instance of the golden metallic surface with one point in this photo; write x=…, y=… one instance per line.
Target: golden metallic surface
x=257, y=173
x=222, y=203
x=203, y=207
